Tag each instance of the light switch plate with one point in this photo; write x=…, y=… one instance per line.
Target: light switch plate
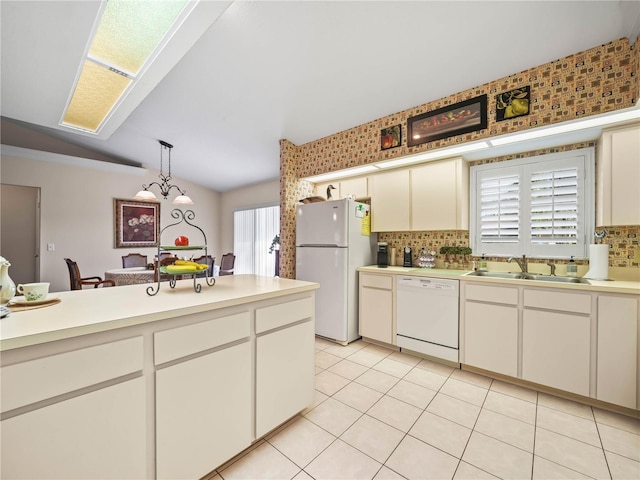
x=51, y=247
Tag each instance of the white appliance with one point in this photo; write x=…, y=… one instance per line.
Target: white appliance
x=427, y=316
x=330, y=246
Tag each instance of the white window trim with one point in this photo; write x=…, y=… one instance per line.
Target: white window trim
x=584, y=159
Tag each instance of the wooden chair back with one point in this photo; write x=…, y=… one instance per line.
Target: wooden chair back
x=76, y=281
x=206, y=260
x=134, y=260
x=227, y=263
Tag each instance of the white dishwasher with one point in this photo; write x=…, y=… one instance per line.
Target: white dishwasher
x=427, y=316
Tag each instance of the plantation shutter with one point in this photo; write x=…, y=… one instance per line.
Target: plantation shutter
x=538, y=206
x=499, y=214
x=554, y=207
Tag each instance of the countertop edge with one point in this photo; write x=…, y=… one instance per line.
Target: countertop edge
x=610, y=286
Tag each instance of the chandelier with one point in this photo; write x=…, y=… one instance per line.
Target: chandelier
x=165, y=186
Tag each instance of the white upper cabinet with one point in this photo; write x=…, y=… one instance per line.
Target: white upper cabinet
x=390, y=201
x=358, y=186
x=440, y=196
x=618, y=171
x=433, y=196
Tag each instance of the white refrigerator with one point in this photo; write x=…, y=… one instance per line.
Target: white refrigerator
x=330, y=245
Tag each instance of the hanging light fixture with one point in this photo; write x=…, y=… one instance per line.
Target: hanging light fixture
x=165, y=186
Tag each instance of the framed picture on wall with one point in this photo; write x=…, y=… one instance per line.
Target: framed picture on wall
x=462, y=117
x=390, y=137
x=514, y=103
x=137, y=224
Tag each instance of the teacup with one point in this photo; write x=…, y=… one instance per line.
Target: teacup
x=34, y=292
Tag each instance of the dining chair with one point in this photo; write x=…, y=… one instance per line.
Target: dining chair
x=227, y=263
x=134, y=260
x=208, y=260
x=77, y=281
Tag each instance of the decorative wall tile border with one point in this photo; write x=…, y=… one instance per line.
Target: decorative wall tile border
x=599, y=80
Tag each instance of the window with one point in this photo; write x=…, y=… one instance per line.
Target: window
x=540, y=206
x=253, y=232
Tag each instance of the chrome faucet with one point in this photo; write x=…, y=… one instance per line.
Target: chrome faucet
x=553, y=268
x=521, y=263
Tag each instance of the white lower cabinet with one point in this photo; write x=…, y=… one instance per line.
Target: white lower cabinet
x=491, y=337
x=101, y=434
x=285, y=374
x=375, y=318
x=617, y=377
x=556, y=350
x=203, y=412
x=555, y=337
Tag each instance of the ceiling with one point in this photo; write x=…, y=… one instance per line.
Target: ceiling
x=246, y=74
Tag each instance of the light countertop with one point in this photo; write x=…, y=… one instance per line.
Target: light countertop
x=611, y=286
x=88, y=311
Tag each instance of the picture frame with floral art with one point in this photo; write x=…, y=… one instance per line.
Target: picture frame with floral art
x=137, y=224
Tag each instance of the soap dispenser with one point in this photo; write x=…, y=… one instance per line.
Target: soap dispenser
x=572, y=268
x=482, y=264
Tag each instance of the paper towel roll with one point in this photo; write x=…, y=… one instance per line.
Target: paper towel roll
x=598, y=262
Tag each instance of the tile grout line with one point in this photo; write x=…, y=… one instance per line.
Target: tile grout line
x=604, y=452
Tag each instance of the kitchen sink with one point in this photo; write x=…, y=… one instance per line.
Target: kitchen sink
x=528, y=276
x=553, y=278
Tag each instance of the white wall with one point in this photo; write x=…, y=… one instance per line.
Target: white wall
x=77, y=213
x=258, y=195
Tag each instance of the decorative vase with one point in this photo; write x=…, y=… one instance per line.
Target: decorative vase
x=7, y=287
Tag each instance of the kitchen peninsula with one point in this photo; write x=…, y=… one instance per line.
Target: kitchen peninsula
x=113, y=383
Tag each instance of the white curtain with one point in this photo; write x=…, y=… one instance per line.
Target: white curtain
x=253, y=232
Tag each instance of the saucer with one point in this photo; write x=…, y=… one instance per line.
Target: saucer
x=20, y=300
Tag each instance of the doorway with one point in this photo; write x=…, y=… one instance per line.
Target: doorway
x=20, y=231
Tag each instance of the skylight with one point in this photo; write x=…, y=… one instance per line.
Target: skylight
x=127, y=39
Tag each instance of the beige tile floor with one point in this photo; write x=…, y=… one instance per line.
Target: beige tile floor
x=387, y=415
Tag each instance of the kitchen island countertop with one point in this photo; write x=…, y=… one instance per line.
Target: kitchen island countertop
x=88, y=311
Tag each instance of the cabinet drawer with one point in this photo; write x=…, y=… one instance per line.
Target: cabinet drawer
x=29, y=382
x=376, y=281
x=561, y=301
x=268, y=318
x=182, y=341
x=491, y=293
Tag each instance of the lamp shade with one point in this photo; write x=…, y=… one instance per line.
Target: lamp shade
x=182, y=200
x=145, y=195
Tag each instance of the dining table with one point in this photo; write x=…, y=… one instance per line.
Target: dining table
x=137, y=275
x=129, y=276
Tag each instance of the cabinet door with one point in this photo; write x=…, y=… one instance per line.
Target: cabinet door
x=491, y=337
x=376, y=314
x=285, y=375
x=101, y=434
x=355, y=186
x=617, y=350
x=203, y=412
x=556, y=350
x=440, y=196
x=618, y=172
x=390, y=202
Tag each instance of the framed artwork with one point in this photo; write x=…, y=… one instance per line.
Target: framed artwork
x=514, y=103
x=462, y=117
x=137, y=224
x=390, y=137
